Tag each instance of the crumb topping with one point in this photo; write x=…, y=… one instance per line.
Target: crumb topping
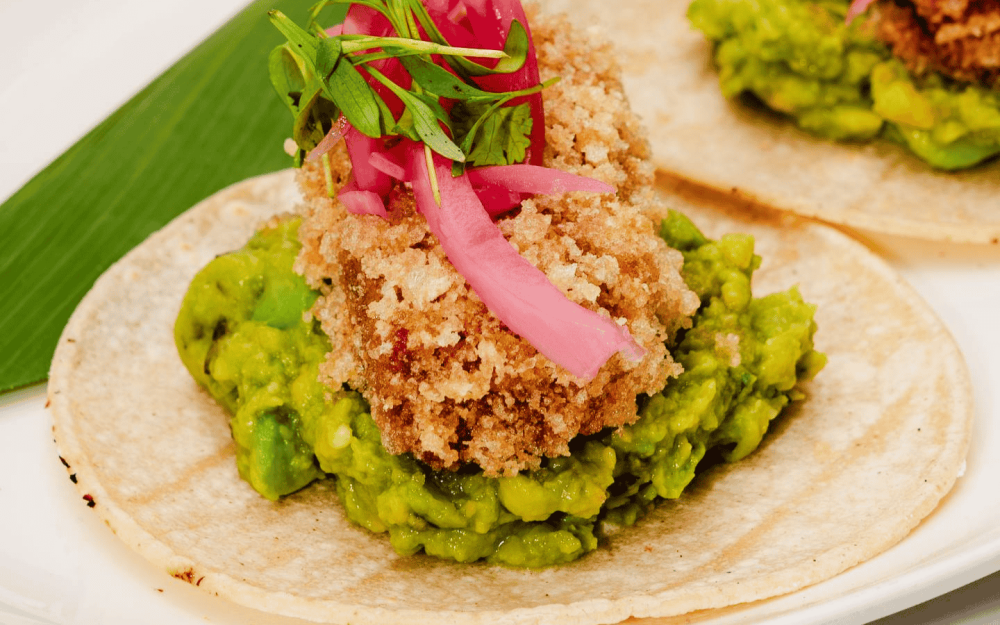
x=445, y=379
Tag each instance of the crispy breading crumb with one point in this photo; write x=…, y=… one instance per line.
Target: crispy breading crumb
x=445, y=379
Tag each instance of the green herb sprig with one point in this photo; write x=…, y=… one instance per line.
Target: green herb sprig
x=320, y=78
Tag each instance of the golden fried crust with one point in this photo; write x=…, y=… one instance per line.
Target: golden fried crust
x=445, y=379
x=959, y=38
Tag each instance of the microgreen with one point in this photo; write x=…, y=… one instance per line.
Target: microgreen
x=321, y=77
x=331, y=84
x=515, y=47
x=425, y=116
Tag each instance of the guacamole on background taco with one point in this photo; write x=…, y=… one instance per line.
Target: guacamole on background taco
x=671, y=75
x=239, y=505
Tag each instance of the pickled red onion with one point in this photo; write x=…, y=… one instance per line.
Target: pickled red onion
x=387, y=165
x=518, y=293
x=502, y=188
x=457, y=13
x=535, y=180
x=857, y=8
x=361, y=202
x=331, y=139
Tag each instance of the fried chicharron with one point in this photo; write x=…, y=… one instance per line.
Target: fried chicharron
x=445, y=378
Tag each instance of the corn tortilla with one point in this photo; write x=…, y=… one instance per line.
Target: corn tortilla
x=842, y=476
x=754, y=154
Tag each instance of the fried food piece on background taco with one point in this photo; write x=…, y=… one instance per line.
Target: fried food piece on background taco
x=247, y=336
x=959, y=39
x=710, y=100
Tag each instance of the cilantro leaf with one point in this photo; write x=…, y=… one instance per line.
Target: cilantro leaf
x=492, y=135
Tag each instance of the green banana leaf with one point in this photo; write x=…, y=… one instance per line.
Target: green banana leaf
x=209, y=121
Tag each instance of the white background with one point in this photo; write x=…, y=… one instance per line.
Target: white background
x=67, y=64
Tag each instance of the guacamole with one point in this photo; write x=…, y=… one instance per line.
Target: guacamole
x=245, y=334
x=838, y=81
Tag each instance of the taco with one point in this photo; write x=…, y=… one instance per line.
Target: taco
x=739, y=145
x=161, y=461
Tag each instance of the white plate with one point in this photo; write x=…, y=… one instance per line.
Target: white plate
x=59, y=564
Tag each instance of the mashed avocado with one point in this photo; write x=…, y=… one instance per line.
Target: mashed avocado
x=245, y=336
x=838, y=81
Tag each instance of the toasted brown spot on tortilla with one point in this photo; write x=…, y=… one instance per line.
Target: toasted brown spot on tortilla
x=187, y=575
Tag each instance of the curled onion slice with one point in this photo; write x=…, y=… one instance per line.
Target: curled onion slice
x=331, y=139
x=518, y=293
x=535, y=180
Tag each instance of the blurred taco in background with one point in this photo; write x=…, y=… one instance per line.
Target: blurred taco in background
x=923, y=74
x=789, y=103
